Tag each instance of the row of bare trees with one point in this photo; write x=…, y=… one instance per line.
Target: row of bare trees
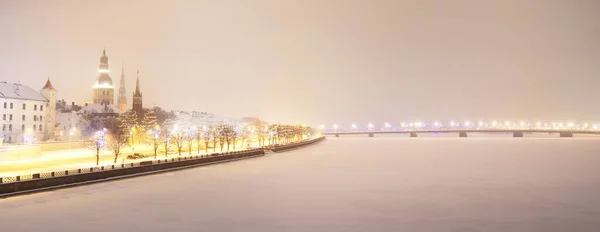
x=221, y=136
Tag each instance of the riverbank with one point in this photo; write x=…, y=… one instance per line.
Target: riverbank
x=59, y=179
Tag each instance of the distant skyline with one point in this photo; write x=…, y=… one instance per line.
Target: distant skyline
x=318, y=62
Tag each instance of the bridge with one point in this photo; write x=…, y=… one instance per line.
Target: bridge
x=464, y=132
x=517, y=129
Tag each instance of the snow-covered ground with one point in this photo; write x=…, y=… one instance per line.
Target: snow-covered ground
x=345, y=184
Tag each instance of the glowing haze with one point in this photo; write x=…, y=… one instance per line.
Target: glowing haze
x=320, y=61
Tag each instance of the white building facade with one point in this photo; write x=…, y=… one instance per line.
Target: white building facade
x=26, y=115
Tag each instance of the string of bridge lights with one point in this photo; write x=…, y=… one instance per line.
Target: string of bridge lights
x=483, y=125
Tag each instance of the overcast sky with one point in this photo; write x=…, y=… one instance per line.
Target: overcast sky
x=320, y=61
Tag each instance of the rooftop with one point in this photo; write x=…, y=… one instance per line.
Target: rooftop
x=18, y=91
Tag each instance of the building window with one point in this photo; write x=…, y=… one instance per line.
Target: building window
x=23, y=127
x=11, y=105
x=23, y=117
x=24, y=106
x=34, y=107
x=41, y=108
x=34, y=127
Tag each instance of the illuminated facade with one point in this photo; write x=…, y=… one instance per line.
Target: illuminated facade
x=27, y=115
x=103, y=90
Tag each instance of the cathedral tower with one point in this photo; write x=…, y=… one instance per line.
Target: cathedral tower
x=103, y=88
x=122, y=100
x=137, y=99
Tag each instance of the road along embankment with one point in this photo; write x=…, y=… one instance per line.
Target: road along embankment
x=10, y=186
x=280, y=148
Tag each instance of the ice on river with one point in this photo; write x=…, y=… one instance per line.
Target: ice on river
x=345, y=184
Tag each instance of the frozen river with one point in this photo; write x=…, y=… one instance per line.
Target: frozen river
x=345, y=184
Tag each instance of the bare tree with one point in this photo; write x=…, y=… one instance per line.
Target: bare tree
x=165, y=139
x=215, y=136
x=179, y=138
x=227, y=135
x=155, y=140
x=116, y=143
x=198, y=140
x=222, y=136
x=207, y=139
x=96, y=143
x=190, y=142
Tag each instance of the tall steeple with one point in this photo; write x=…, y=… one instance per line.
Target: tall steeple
x=137, y=85
x=137, y=99
x=122, y=100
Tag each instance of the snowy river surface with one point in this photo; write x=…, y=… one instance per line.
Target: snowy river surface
x=345, y=184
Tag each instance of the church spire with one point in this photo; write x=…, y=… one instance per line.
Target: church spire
x=137, y=84
x=137, y=99
x=122, y=100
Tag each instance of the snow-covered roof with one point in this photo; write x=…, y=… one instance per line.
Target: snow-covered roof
x=64, y=120
x=18, y=91
x=99, y=108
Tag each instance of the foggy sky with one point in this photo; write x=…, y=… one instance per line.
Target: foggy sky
x=319, y=61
